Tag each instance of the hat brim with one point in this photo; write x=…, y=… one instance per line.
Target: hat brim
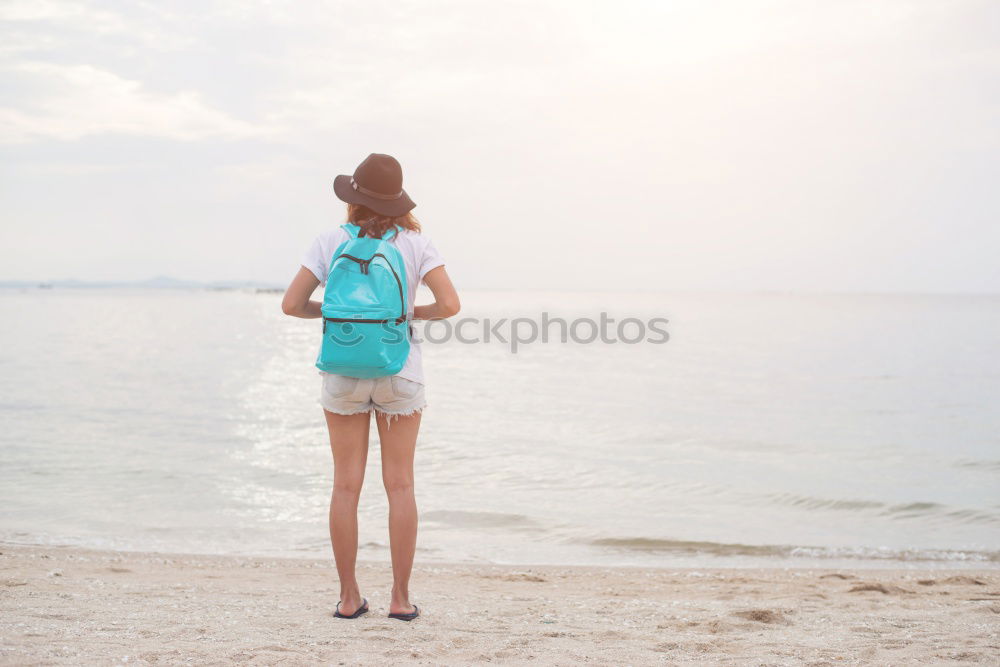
x=390, y=207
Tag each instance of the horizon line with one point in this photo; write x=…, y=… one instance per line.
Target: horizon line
x=167, y=282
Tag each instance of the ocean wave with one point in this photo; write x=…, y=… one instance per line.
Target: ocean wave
x=466, y=519
x=913, y=510
x=702, y=548
x=978, y=464
x=813, y=503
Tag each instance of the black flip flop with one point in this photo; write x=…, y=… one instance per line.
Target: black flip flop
x=360, y=610
x=407, y=617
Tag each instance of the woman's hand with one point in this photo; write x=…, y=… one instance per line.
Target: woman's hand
x=296, y=301
x=446, y=301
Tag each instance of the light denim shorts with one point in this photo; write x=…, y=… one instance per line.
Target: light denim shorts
x=390, y=395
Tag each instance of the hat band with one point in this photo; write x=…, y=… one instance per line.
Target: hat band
x=372, y=193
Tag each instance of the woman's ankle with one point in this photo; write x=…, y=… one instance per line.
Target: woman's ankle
x=350, y=593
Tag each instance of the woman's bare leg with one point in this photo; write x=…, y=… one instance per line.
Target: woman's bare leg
x=349, y=442
x=398, y=441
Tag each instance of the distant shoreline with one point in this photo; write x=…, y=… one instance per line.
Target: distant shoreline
x=152, y=283
x=230, y=285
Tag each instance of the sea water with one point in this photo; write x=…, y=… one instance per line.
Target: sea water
x=782, y=429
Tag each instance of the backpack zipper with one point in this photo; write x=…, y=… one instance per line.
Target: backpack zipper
x=364, y=265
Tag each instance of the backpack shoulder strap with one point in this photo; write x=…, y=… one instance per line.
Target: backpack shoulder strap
x=353, y=230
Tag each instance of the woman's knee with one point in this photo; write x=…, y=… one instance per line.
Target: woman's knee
x=398, y=485
x=350, y=488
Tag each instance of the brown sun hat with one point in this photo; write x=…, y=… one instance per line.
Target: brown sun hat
x=378, y=184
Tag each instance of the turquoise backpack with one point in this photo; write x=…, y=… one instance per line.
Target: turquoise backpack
x=365, y=330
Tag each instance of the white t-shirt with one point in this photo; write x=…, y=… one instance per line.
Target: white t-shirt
x=419, y=255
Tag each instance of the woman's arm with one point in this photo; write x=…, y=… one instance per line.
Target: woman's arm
x=445, y=297
x=296, y=302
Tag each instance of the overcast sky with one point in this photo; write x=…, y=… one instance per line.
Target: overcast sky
x=776, y=145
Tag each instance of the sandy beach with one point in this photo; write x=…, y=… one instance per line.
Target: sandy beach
x=78, y=606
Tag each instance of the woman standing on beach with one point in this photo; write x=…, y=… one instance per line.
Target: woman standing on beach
x=376, y=202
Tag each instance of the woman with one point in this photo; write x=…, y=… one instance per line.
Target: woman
x=376, y=202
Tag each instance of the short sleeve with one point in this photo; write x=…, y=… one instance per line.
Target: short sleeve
x=314, y=260
x=430, y=259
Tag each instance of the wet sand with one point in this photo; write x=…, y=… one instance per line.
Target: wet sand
x=76, y=606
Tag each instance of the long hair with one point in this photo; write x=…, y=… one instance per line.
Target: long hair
x=374, y=225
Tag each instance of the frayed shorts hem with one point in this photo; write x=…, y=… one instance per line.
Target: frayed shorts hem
x=401, y=413
x=378, y=411
x=344, y=412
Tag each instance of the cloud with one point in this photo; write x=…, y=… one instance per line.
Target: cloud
x=74, y=101
x=752, y=140
x=46, y=10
